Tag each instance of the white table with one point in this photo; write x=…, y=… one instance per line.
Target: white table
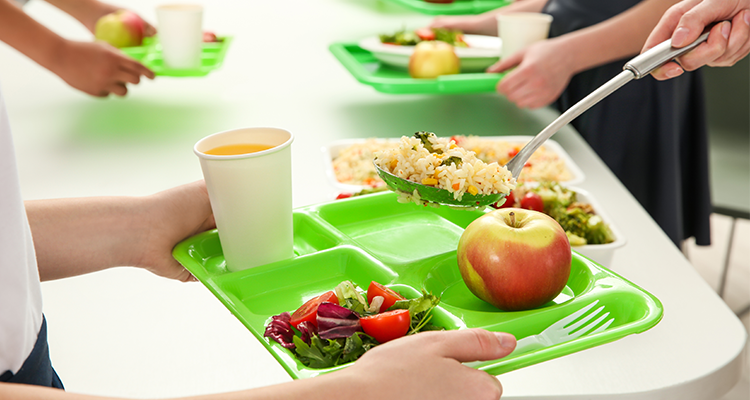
x=125, y=332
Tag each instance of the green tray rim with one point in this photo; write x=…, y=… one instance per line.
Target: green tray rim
x=448, y=84
x=455, y=8
x=653, y=312
x=150, y=47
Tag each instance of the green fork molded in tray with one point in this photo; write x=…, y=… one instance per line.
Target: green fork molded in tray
x=457, y=7
x=409, y=248
x=369, y=70
x=212, y=57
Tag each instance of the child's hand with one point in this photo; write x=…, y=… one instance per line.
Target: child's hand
x=170, y=217
x=542, y=71
x=98, y=69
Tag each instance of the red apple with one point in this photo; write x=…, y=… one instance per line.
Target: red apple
x=121, y=28
x=432, y=59
x=515, y=259
x=209, y=37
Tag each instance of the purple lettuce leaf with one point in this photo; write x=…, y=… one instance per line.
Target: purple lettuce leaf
x=280, y=330
x=306, y=330
x=335, y=321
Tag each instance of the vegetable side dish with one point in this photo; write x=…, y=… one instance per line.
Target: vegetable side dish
x=339, y=326
x=580, y=221
x=411, y=38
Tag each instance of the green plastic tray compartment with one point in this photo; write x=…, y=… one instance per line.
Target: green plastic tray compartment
x=150, y=55
x=456, y=8
x=409, y=248
x=370, y=71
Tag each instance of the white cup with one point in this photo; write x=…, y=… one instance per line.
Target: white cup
x=251, y=195
x=180, y=31
x=520, y=29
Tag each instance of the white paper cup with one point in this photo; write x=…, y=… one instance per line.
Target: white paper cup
x=180, y=31
x=520, y=29
x=251, y=196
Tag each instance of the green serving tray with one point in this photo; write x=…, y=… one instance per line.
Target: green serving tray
x=369, y=70
x=409, y=248
x=149, y=54
x=457, y=7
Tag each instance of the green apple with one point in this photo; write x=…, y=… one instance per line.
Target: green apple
x=431, y=59
x=121, y=28
x=515, y=259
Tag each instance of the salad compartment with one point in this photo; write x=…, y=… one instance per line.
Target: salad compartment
x=410, y=249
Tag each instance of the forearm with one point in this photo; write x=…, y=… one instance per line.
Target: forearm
x=87, y=12
x=324, y=387
x=26, y=35
x=83, y=235
x=520, y=6
x=616, y=38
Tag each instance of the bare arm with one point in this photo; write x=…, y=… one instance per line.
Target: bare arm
x=486, y=23
x=83, y=235
x=544, y=69
x=94, y=68
x=426, y=365
x=29, y=37
x=616, y=38
x=87, y=12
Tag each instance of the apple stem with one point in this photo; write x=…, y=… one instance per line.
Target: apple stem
x=512, y=218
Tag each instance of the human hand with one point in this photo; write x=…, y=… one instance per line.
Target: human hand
x=482, y=24
x=172, y=216
x=728, y=41
x=428, y=366
x=97, y=68
x=542, y=71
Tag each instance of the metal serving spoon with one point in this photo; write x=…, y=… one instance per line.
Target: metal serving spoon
x=637, y=68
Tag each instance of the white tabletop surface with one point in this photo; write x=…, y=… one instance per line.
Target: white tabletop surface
x=125, y=332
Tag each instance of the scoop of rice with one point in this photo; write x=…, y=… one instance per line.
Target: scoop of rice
x=440, y=167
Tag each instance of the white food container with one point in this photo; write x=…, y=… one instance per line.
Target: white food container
x=600, y=253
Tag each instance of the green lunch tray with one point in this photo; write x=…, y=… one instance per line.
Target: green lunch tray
x=369, y=70
x=150, y=55
x=408, y=248
x=457, y=7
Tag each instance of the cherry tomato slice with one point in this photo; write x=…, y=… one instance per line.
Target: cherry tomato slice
x=386, y=326
x=309, y=310
x=532, y=201
x=425, y=33
x=389, y=295
x=510, y=201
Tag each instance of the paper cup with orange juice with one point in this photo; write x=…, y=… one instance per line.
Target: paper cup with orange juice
x=248, y=174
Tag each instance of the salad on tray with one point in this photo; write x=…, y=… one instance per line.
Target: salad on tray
x=412, y=37
x=339, y=326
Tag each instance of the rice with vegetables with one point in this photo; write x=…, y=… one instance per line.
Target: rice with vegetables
x=543, y=165
x=353, y=164
x=439, y=162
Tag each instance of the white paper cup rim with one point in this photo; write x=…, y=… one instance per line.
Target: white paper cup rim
x=530, y=16
x=274, y=149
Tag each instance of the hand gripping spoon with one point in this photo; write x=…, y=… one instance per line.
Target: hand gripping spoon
x=637, y=68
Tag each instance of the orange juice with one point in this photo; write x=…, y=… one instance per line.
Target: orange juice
x=236, y=149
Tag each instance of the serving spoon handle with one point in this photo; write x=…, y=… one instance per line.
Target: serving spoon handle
x=637, y=68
